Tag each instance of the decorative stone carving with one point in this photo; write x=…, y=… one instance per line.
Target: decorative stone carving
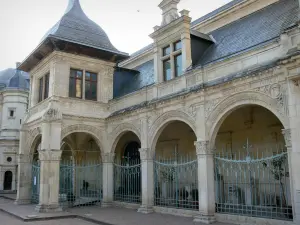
x=287, y=137
x=145, y=154
x=203, y=148
x=108, y=157
x=50, y=155
x=170, y=12
x=52, y=115
x=210, y=105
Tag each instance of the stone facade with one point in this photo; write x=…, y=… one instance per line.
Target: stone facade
x=202, y=98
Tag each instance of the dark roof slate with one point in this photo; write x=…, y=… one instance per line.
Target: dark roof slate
x=251, y=31
x=76, y=27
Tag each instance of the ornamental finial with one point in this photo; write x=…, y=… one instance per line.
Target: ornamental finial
x=169, y=11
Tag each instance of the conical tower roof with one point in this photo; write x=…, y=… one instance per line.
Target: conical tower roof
x=76, y=28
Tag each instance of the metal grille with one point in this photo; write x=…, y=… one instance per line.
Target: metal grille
x=127, y=181
x=253, y=183
x=80, y=183
x=35, y=183
x=176, y=183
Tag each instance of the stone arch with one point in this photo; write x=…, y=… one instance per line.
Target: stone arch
x=162, y=121
x=118, y=132
x=32, y=137
x=230, y=104
x=93, y=131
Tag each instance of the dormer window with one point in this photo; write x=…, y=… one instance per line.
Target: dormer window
x=172, y=60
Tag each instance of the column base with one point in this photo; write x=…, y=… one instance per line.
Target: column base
x=22, y=202
x=48, y=208
x=106, y=204
x=205, y=219
x=145, y=209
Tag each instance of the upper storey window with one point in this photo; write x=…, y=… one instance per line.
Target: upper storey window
x=44, y=87
x=172, y=60
x=83, y=85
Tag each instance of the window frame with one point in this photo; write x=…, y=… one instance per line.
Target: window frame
x=91, y=81
x=43, y=91
x=75, y=78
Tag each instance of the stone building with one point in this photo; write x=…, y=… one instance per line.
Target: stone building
x=203, y=122
x=14, y=90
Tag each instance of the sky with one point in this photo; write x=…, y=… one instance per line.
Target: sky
x=128, y=23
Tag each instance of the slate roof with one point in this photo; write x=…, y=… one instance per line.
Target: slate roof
x=251, y=31
x=76, y=27
x=14, y=79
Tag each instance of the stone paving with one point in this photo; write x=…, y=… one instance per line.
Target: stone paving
x=93, y=214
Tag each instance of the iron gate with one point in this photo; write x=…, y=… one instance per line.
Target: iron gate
x=80, y=184
x=127, y=181
x=176, y=183
x=253, y=183
x=35, y=183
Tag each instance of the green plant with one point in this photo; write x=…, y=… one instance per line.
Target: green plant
x=277, y=169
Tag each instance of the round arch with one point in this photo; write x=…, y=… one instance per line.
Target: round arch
x=34, y=136
x=93, y=131
x=232, y=103
x=163, y=121
x=119, y=131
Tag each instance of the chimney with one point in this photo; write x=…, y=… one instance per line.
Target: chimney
x=17, y=65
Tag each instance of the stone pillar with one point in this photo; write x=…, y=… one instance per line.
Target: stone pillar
x=24, y=179
x=49, y=180
x=293, y=159
x=50, y=156
x=147, y=181
x=205, y=183
x=108, y=179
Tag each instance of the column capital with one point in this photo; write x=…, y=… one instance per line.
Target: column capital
x=108, y=157
x=50, y=155
x=145, y=153
x=203, y=148
x=287, y=137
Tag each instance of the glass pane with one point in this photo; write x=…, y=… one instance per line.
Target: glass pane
x=167, y=70
x=72, y=88
x=94, y=91
x=87, y=89
x=41, y=89
x=90, y=90
x=177, y=45
x=87, y=76
x=166, y=51
x=78, y=88
x=79, y=74
x=178, y=65
x=73, y=73
x=46, y=91
x=94, y=76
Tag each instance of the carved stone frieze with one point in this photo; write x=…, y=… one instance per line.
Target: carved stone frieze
x=108, y=157
x=210, y=105
x=52, y=114
x=145, y=154
x=50, y=155
x=287, y=137
x=203, y=148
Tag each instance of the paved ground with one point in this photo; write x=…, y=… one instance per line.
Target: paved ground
x=114, y=216
x=9, y=220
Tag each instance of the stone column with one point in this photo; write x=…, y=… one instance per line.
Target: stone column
x=24, y=179
x=293, y=159
x=108, y=179
x=147, y=181
x=205, y=183
x=49, y=180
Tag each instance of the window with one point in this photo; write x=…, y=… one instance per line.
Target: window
x=178, y=65
x=44, y=87
x=172, y=61
x=177, y=45
x=11, y=113
x=167, y=70
x=86, y=90
x=90, y=86
x=75, y=86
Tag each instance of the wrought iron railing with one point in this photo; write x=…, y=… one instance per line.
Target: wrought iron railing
x=176, y=183
x=80, y=183
x=35, y=183
x=127, y=181
x=253, y=183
